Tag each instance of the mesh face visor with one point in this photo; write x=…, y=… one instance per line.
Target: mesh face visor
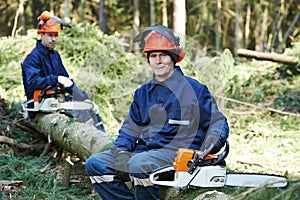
x=160, y=38
x=51, y=25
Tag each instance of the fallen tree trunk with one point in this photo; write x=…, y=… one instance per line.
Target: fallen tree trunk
x=80, y=139
x=268, y=56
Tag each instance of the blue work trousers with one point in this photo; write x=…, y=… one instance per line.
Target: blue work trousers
x=100, y=168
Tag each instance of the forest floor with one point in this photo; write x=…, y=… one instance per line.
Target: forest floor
x=268, y=144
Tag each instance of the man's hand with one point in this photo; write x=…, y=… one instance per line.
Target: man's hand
x=121, y=165
x=212, y=140
x=65, y=81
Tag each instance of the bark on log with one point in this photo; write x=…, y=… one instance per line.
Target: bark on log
x=80, y=139
x=268, y=56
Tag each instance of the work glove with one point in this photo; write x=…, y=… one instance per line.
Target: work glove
x=212, y=139
x=121, y=168
x=65, y=81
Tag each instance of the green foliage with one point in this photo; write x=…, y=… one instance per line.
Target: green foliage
x=103, y=66
x=39, y=184
x=10, y=58
x=112, y=73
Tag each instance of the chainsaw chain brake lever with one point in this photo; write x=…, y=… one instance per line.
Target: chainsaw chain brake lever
x=199, y=159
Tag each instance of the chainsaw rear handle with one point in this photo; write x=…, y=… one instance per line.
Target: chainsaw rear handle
x=199, y=159
x=223, y=155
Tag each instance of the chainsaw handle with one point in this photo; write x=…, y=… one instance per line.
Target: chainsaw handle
x=223, y=155
x=196, y=163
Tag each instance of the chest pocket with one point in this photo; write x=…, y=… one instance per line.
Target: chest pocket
x=183, y=115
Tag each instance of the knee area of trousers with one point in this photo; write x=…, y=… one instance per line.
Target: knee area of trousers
x=89, y=164
x=135, y=166
x=93, y=166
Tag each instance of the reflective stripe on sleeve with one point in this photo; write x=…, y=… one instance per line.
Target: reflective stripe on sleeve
x=100, y=179
x=143, y=182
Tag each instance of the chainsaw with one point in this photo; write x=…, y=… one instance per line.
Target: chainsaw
x=49, y=100
x=201, y=169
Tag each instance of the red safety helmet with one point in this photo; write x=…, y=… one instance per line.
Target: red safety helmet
x=160, y=38
x=50, y=24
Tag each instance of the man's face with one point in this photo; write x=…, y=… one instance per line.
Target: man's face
x=49, y=40
x=162, y=65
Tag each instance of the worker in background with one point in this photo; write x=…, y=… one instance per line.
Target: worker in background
x=42, y=68
x=170, y=111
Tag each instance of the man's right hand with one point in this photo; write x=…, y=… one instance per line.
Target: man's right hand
x=65, y=81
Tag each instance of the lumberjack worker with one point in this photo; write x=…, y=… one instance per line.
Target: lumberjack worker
x=42, y=67
x=170, y=111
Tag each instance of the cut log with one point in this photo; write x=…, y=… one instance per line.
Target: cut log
x=10, y=186
x=82, y=140
x=274, y=57
x=12, y=142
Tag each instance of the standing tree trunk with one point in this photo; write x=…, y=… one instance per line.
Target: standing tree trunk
x=164, y=13
x=277, y=22
x=136, y=17
x=238, y=39
x=218, y=25
x=179, y=16
x=19, y=11
x=67, y=9
x=288, y=32
x=152, y=13
x=264, y=28
x=247, y=24
x=102, y=17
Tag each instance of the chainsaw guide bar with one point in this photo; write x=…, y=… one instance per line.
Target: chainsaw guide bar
x=207, y=170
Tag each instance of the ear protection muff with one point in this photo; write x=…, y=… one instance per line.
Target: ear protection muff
x=43, y=18
x=181, y=55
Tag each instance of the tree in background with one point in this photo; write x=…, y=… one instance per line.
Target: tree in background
x=102, y=17
x=259, y=25
x=179, y=17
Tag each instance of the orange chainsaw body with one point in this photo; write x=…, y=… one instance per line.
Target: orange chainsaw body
x=37, y=93
x=184, y=155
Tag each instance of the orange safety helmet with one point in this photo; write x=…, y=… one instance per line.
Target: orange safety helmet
x=160, y=38
x=50, y=24
x=155, y=41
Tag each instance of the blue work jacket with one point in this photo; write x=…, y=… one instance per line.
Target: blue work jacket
x=178, y=112
x=40, y=69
